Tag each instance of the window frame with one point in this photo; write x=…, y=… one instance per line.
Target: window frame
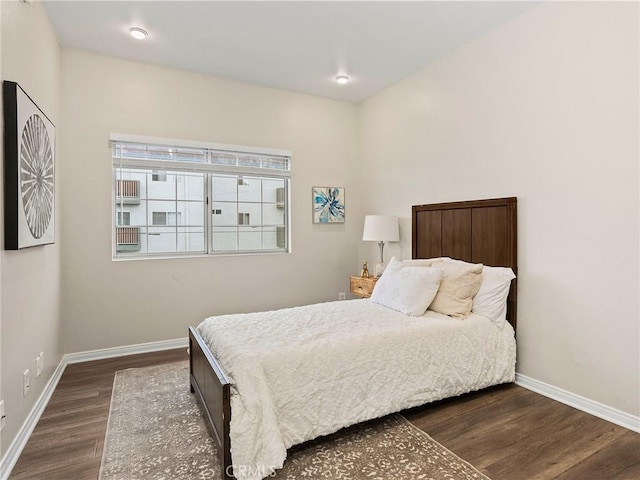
x=121, y=217
x=208, y=168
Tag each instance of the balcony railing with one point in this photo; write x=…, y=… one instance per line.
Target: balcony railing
x=127, y=238
x=280, y=197
x=128, y=191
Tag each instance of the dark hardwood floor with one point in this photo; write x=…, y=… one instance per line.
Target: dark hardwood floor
x=507, y=432
x=511, y=433
x=68, y=440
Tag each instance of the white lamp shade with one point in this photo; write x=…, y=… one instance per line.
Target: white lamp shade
x=381, y=228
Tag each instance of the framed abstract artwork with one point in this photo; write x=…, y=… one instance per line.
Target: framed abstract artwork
x=328, y=205
x=29, y=165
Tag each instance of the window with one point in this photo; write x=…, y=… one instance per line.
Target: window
x=198, y=199
x=243, y=219
x=158, y=177
x=166, y=218
x=124, y=218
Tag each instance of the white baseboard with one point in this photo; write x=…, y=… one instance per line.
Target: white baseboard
x=15, y=449
x=597, y=409
x=17, y=445
x=123, y=351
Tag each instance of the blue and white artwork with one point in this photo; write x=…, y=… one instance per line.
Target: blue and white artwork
x=328, y=205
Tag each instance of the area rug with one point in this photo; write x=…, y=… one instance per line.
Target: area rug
x=156, y=431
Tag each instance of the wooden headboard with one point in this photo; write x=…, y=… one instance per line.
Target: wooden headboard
x=477, y=231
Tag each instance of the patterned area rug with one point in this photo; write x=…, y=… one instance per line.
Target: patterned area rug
x=156, y=431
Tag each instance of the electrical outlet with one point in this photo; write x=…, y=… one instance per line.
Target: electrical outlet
x=39, y=364
x=25, y=383
x=342, y=296
x=3, y=416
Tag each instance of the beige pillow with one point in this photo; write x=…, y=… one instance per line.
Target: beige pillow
x=460, y=283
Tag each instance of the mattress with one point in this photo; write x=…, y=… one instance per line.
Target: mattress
x=303, y=372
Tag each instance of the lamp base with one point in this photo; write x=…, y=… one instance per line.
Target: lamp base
x=378, y=268
x=381, y=245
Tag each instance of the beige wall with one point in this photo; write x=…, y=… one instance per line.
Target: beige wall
x=544, y=108
x=30, y=278
x=107, y=303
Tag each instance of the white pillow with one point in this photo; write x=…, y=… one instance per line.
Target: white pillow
x=407, y=289
x=491, y=299
x=423, y=262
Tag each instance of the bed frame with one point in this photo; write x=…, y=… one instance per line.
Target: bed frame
x=478, y=231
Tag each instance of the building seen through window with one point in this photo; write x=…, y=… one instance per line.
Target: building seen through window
x=225, y=203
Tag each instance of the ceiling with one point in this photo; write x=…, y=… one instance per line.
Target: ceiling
x=297, y=46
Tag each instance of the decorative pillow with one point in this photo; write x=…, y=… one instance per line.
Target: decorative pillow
x=491, y=299
x=460, y=283
x=423, y=262
x=406, y=289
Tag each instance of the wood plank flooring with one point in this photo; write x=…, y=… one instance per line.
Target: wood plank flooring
x=510, y=433
x=68, y=440
x=507, y=432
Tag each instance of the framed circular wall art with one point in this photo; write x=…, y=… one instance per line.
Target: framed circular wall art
x=29, y=166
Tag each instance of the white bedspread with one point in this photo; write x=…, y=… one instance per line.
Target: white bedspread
x=302, y=372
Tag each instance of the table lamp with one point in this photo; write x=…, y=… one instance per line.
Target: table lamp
x=380, y=228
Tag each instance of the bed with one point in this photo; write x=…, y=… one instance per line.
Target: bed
x=482, y=231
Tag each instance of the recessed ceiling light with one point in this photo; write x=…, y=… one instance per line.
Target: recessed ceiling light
x=342, y=79
x=138, y=33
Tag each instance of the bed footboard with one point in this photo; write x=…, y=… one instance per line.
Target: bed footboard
x=212, y=389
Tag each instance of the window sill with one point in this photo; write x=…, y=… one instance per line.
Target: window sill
x=197, y=255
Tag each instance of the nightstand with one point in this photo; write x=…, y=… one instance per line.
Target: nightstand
x=363, y=287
